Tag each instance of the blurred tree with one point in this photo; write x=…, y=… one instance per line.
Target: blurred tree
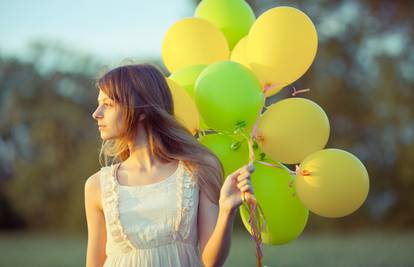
x=47, y=125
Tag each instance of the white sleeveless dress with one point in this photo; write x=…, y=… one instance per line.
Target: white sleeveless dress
x=152, y=225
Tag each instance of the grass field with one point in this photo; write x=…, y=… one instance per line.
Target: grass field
x=317, y=250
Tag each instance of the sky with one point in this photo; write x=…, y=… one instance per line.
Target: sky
x=106, y=29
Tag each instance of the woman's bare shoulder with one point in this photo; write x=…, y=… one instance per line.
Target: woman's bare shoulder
x=93, y=182
x=93, y=187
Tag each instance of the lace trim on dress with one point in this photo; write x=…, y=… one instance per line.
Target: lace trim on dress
x=110, y=200
x=185, y=202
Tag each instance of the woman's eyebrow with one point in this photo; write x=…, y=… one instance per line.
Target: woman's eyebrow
x=103, y=99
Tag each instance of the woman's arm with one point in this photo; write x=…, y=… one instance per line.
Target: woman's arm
x=215, y=222
x=215, y=229
x=95, y=254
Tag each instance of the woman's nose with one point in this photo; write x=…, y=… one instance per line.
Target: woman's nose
x=96, y=114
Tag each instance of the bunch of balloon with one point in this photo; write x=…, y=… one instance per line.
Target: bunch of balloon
x=224, y=63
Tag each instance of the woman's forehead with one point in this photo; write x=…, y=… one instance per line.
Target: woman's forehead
x=102, y=96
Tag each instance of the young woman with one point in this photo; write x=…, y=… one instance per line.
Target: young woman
x=162, y=201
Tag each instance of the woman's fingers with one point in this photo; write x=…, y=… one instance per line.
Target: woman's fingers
x=243, y=172
x=243, y=176
x=243, y=179
x=242, y=183
x=246, y=168
x=245, y=186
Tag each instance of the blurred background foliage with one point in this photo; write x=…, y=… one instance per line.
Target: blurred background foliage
x=363, y=77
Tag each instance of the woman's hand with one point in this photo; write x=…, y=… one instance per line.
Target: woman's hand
x=233, y=187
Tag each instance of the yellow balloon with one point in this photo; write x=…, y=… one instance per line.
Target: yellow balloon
x=239, y=53
x=281, y=46
x=185, y=110
x=332, y=183
x=192, y=41
x=291, y=129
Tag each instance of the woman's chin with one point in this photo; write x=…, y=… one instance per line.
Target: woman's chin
x=106, y=137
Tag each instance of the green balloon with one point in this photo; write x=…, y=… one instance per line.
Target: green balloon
x=186, y=77
x=221, y=145
x=285, y=214
x=228, y=95
x=233, y=17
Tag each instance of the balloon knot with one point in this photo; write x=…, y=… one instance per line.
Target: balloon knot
x=302, y=172
x=270, y=86
x=267, y=87
x=259, y=138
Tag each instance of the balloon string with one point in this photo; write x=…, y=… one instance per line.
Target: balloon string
x=269, y=86
x=296, y=92
x=295, y=172
x=256, y=214
x=291, y=173
x=254, y=208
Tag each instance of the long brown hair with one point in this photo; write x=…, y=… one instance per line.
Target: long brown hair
x=142, y=89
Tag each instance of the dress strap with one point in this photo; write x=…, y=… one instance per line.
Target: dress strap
x=110, y=196
x=185, y=201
